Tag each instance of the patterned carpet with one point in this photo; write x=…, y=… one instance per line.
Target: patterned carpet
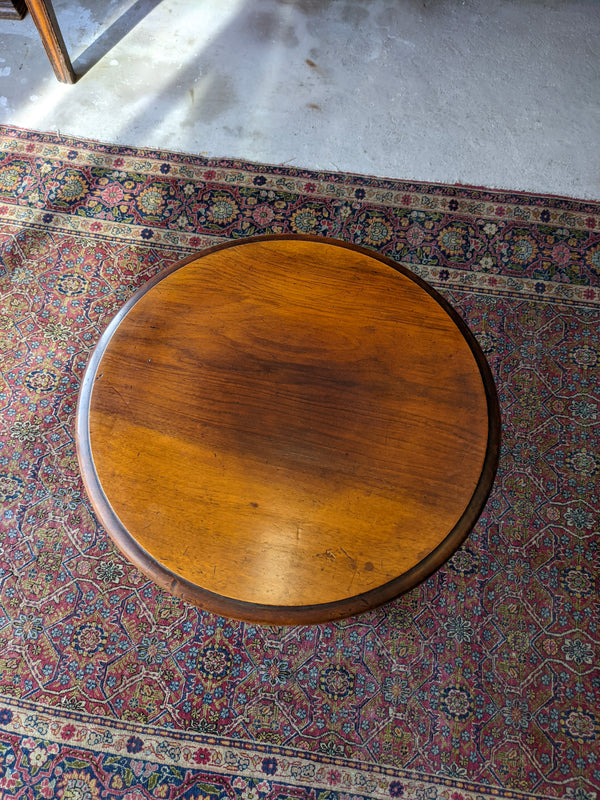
x=482, y=682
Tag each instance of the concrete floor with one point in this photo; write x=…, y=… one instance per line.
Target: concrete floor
x=496, y=93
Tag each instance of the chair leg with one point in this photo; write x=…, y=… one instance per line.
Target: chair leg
x=44, y=17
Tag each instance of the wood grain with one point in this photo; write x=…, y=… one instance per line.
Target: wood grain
x=288, y=429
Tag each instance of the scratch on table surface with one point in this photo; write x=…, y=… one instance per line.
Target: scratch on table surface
x=355, y=574
x=327, y=554
x=350, y=559
x=123, y=398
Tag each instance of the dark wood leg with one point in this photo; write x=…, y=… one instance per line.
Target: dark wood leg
x=44, y=17
x=12, y=9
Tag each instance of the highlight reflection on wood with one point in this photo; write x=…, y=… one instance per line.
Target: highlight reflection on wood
x=287, y=429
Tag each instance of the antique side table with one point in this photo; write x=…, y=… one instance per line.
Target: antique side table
x=287, y=429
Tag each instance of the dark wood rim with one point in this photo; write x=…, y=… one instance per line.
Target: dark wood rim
x=269, y=614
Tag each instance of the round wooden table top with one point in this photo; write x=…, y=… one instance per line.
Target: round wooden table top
x=287, y=430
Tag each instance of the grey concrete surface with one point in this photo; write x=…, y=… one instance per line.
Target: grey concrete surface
x=496, y=93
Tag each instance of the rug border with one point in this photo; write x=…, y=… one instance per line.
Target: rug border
x=201, y=752
x=228, y=162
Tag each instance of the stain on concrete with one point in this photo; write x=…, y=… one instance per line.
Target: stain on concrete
x=289, y=36
x=263, y=25
x=212, y=96
x=269, y=27
x=308, y=7
x=354, y=14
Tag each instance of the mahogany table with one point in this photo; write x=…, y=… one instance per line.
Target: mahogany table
x=287, y=430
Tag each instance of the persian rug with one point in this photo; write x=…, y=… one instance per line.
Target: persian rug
x=482, y=682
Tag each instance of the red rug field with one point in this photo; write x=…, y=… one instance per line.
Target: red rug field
x=483, y=682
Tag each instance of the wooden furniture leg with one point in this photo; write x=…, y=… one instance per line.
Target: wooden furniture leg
x=45, y=20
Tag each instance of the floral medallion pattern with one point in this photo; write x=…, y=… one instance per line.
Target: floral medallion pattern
x=482, y=682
